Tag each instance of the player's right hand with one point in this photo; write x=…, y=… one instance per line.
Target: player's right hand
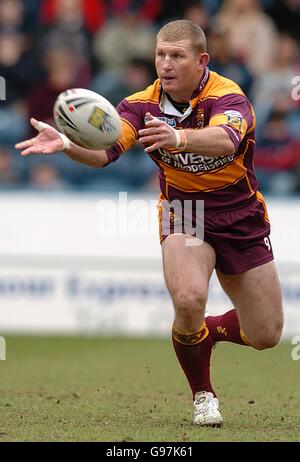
x=48, y=141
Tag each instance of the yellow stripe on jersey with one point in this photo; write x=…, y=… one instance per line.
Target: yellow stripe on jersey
x=260, y=198
x=128, y=135
x=219, y=178
x=189, y=182
x=143, y=101
x=150, y=94
x=218, y=86
x=254, y=120
x=249, y=186
x=234, y=121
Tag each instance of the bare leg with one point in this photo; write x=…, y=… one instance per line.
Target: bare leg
x=187, y=272
x=256, y=296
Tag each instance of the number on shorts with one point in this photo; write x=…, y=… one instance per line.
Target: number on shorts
x=267, y=242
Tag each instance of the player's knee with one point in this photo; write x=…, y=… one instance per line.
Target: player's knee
x=265, y=343
x=187, y=303
x=269, y=338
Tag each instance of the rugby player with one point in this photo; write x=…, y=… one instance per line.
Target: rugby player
x=199, y=128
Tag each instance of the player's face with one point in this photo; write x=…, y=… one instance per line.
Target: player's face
x=179, y=68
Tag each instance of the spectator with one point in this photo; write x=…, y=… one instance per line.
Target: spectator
x=11, y=15
x=272, y=91
x=277, y=159
x=73, y=14
x=147, y=10
x=45, y=176
x=9, y=174
x=252, y=34
x=19, y=71
x=223, y=60
x=71, y=23
x=19, y=16
x=137, y=74
x=197, y=13
x=17, y=66
x=64, y=69
x=286, y=14
x=124, y=37
x=173, y=10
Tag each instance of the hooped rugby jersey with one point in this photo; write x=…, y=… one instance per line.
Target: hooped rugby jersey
x=221, y=181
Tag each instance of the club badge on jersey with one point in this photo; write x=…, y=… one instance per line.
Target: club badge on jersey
x=234, y=119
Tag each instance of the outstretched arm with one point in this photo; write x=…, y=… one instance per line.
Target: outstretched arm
x=50, y=141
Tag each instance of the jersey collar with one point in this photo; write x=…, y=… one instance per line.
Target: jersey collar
x=167, y=107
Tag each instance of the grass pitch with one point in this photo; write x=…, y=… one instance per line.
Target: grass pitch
x=131, y=389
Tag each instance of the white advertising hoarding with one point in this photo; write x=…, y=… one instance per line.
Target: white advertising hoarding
x=59, y=273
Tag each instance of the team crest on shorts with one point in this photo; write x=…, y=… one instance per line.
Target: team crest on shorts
x=234, y=119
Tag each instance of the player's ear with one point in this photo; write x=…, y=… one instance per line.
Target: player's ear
x=204, y=59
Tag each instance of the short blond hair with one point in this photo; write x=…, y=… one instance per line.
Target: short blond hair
x=183, y=29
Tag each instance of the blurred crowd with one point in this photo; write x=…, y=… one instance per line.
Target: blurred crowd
x=47, y=46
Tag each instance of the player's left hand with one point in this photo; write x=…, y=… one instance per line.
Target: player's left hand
x=158, y=134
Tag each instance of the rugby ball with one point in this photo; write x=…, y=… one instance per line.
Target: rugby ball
x=86, y=118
